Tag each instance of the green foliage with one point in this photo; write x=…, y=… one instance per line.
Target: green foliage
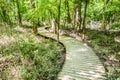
x=115, y=25
x=45, y=61
x=98, y=8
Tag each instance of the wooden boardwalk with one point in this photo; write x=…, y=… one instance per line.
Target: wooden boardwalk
x=81, y=61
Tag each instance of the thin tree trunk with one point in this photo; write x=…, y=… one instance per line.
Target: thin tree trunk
x=53, y=26
x=35, y=29
x=77, y=16
x=59, y=7
x=84, y=19
x=80, y=18
x=19, y=13
x=74, y=21
x=77, y=19
x=68, y=11
x=104, y=24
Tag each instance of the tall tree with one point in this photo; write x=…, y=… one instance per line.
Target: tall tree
x=68, y=11
x=84, y=18
x=104, y=22
x=80, y=14
x=19, y=12
x=35, y=24
x=58, y=22
x=77, y=15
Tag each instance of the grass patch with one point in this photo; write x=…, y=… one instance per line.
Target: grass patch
x=31, y=58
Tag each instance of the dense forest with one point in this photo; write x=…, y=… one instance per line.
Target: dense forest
x=27, y=54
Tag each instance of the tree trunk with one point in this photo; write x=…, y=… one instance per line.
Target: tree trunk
x=68, y=11
x=35, y=25
x=77, y=16
x=77, y=19
x=84, y=19
x=104, y=23
x=53, y=26
x=74, y=21
x=58, y=22
x=80, y=18
x=19, y=12
x=35, y=29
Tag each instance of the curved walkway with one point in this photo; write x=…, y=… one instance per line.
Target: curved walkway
x=81, y=61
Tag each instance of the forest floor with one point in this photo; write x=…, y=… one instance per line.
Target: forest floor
x=24, y=56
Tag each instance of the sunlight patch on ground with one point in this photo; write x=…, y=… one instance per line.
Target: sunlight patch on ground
x=117, y=39
x=5, y=40
x=23, y=37
x=100, y=69
x=68, y=57
x=66, y=77
x=85, y=45
x=82, y=49
x=91, y=75
x=14, y=73
x=20, y=29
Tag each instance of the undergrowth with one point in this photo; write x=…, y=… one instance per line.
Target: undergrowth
x=31, y=58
